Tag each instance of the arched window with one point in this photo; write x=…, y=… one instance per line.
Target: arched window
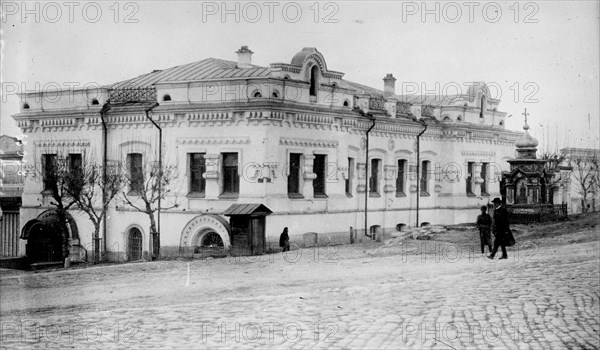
x=95, y=101
x=447, y=119
x=459, y=118
x=167, y=97
x=286, y=77
x=400, y=227
x=257, y=94
x=314, y=73
x=346, y=103
x=501, y=123
x=482, y=106
x=25, y=105
x=275, y=94
x=134, y=245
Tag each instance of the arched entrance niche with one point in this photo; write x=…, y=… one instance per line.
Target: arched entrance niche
x=44, y=236
x=205, y=231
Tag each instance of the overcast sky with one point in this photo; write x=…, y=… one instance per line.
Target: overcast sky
x=543, y=56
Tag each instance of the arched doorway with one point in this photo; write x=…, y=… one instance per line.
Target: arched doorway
x=45, y=237
x=134, y=244
x=44, y=241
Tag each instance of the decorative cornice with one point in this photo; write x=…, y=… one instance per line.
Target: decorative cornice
x=288, y=141
x=478, y=153
x=213, y=140
x=62, y=143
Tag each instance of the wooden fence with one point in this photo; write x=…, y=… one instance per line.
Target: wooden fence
x=9, y=233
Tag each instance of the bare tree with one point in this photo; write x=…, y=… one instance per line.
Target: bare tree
x=149, y=187
x=554, y=165
x=92, y=189
x=585, y=174
x=54, y=171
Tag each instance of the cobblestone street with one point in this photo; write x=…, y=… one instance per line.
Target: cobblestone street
x=416, y=295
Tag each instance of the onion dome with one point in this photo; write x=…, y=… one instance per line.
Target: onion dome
x=526, y=141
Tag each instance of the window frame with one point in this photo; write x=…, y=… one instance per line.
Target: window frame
x=485, y=167
x=313, y=80
x=132, y=176
x=53, y=157
x=234, y=171
x=374, y=181
x=349, y=181
x=201, y=169
x=294, y=172
x=469, y=179
x=424, y=178
x=401, y=177
x=320, y=179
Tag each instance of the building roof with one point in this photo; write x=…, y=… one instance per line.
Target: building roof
x=246, y=209
x=207, y=69
x=215, y=69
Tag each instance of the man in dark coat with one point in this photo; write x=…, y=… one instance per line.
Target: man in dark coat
x=284, y=240
x=501, y=228
x=484, y=224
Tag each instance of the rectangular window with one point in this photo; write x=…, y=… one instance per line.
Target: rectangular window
x=294, y=174
x=484, y=175
x=49, y=170
x=197, y=169
x=231, y=180
x=75, y=163
x=424, y=178
x=320, y=169
x=469, y=179
x=374, y=179
x=350, y=176
x=136, y=173
x=401, y=179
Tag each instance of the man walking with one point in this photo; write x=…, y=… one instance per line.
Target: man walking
x=500, y=228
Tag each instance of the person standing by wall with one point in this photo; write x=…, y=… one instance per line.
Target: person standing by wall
x=484, y=224
x=284, y=240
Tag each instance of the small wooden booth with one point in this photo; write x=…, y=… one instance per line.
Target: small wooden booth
x=248, y=223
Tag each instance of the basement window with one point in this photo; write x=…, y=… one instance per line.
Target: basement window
x=167, y=97
x=95, y=102
x=25, y=105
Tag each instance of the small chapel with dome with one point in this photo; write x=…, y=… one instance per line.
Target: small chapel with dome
x=527, y=188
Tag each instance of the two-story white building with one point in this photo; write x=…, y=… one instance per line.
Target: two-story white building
x=290, y=136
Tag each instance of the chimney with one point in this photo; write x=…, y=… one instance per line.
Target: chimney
x=244, y=57
x=389, y=85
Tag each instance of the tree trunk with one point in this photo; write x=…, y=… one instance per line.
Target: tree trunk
x=155, y=238
x=96, y=243
x=62, y=218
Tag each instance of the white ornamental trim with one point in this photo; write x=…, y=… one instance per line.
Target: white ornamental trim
x=63, y=143
x=213, y=140
x=288, y=141
x=478, y=153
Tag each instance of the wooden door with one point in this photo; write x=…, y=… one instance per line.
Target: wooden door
x=258, y=235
